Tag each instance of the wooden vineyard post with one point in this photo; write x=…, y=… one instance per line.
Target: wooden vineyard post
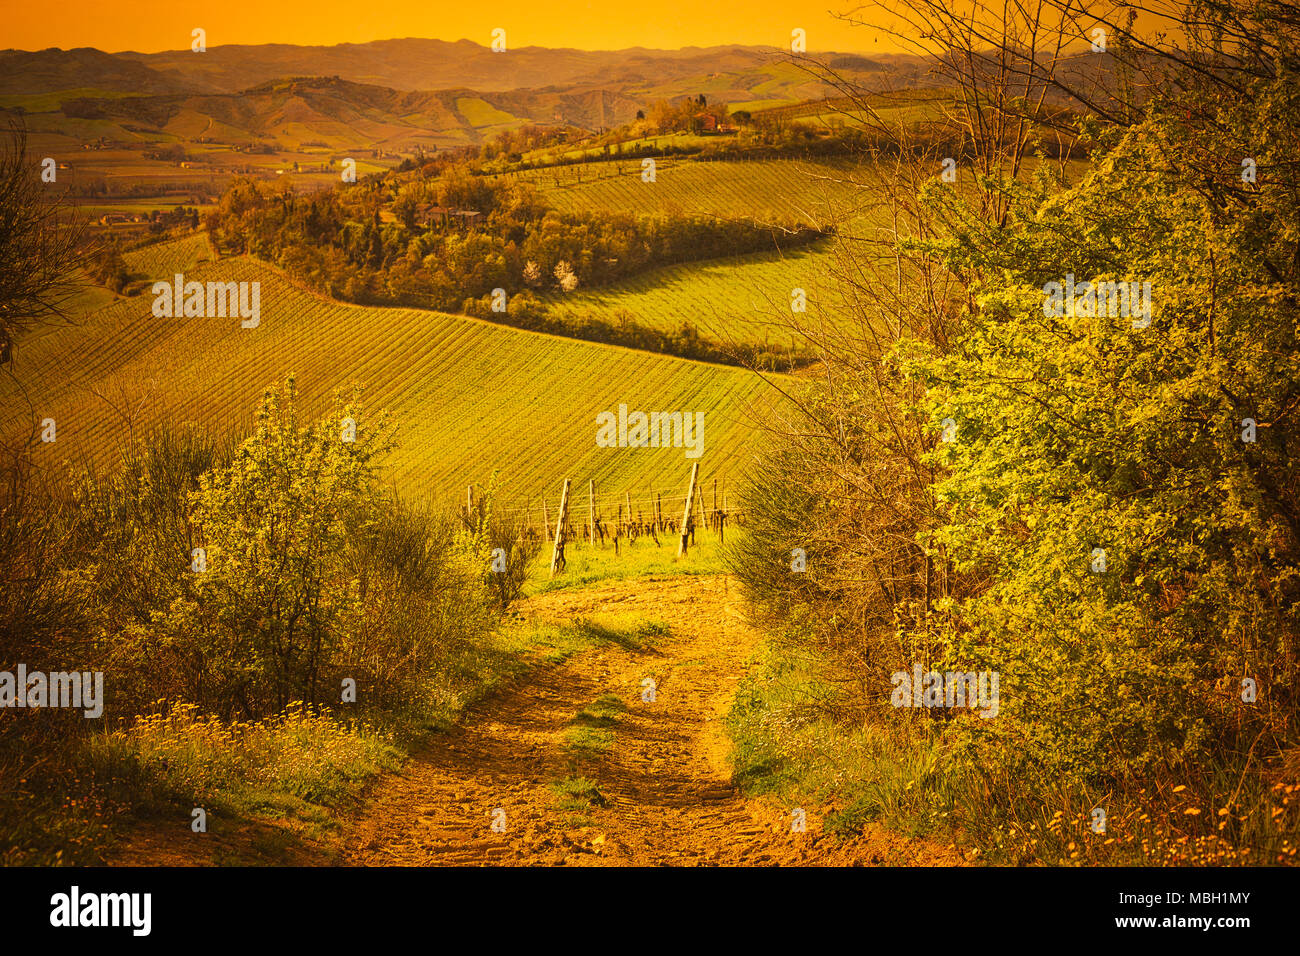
x=722, y=518
x=686, y=513
x=699, y=501
x=627, y=496
x=546, y=521
x=591, y=510
x=715, y=502
x=557, y=553
x=469, y=504
x=659, y=510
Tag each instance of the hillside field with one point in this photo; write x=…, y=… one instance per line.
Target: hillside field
x=739, y=301
x=468, y=397
x=802, y=191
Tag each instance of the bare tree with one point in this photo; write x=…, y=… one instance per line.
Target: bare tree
x=40, y=238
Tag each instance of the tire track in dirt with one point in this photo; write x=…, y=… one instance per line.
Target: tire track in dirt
x=664, y=780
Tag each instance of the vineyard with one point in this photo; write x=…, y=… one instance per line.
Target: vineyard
x=743, y=301
x=470, y=398
x=805, y=192
x=163, y=259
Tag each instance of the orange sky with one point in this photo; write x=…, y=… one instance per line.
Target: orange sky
x=151, y=25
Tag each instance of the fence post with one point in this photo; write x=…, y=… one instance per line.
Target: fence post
x=686, y=512
x=591, y=509
x=546, y=521
x=557, y=554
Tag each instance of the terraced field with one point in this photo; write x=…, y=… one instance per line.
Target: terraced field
x=469, y=397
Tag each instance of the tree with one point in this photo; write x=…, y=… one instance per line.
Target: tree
x=39, y=245
x=277, y=523
x=564, y=275
x=1162, y=441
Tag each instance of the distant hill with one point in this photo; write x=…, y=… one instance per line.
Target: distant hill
x=392, y=94
x=84, y=68
x=415, y=64
x=337, y=113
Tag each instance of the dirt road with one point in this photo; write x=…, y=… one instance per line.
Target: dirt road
x=660, y=770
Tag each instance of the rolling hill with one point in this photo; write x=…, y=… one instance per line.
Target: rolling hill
x=422, y=64
x=743, y=301
x=470, y=398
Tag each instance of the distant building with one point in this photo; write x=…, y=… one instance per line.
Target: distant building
x=428, y=214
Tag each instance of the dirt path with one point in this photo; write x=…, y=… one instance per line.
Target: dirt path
x=660, y=768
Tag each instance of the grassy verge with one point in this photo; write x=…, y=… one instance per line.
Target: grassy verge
x=793, y=740
x=300, y=766
x=789, y=743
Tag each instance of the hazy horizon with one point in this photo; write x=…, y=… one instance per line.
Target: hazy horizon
x=485, y=45
x=158, y=27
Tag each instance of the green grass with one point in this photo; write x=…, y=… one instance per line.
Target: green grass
x=800, y=738
x=587, y=741
x=789, y=744
x=270, y=765
x=587, y=565
x=604, y=711
x=630, y=632
x=743, y=301
x=576, y=796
